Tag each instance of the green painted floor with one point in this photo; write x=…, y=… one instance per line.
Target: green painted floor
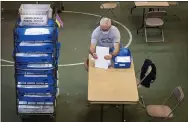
x=170, y=58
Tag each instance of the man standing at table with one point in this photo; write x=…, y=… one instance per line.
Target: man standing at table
x=105, y=35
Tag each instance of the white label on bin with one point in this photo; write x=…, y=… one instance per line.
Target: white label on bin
x=32, y=44
x=36, y=31
x=44, y=95
x=35, y=109
x=30, y=55
x=121, y=65
x=32, y=83
x=32, y=86
x=25, y=102
x=123, y=59
x=39, y=65
x=35, y=76
x=29, y=106
x=49, y=103
x=40, y=103
x=22, y=102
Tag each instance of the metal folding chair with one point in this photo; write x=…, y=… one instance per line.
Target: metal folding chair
x=154, y=19
x=109, y=7
x=163, y=111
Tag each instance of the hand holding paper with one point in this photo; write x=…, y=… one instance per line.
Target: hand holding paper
x=95, y=56
x=108, y=57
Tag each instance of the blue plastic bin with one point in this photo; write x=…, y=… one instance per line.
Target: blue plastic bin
x=124, y=52
x=19, y=34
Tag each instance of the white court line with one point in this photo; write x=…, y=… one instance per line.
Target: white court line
x=7, y=61
x=63, y=65
x=7, y=65
x=129, y=32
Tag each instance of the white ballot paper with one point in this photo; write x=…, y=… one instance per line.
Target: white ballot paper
x=101, y=62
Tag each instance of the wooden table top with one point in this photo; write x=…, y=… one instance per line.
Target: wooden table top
x=117, y=86
x=151, y=4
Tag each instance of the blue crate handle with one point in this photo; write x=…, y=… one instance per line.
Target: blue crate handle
x=47, y=48
x=36, y=99
x=50, y=89
x=23, y=66
x=49, y=58
x=49, y=79
x=42, y=71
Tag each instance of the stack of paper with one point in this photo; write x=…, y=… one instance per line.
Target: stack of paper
x=101, y=62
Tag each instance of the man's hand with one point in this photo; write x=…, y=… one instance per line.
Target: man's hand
x=95, y=56
x=108, y=57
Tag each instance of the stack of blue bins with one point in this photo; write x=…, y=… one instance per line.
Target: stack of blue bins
x=36, y=53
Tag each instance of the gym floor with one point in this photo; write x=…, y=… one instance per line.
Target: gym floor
x=170, y=57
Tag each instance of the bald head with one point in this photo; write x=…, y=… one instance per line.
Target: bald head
x=105, y=23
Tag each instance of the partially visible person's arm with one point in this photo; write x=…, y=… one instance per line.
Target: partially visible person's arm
x=116, y=49
x=116, y=42
x=93, y=44
x=92, y=49
x=116, y=35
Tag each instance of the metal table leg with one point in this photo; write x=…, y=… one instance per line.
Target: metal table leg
x=101, y=113
x=2, y=11
x=142, y=21
x=58, y=6
x=62, y=6
x=132, y=9
x=123, y=113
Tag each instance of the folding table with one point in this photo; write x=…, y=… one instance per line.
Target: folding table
x=145, y=5
x=112, y=86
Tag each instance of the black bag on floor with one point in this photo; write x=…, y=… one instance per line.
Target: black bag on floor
x=148, y=73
